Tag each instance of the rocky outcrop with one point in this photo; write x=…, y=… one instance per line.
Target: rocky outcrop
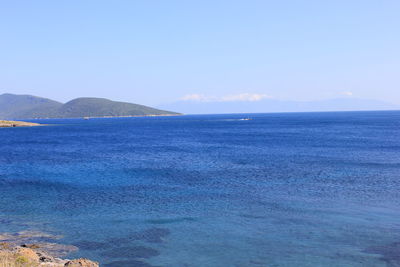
x=17, y=124
x=27, y=253
x=35, y=249
x=33, y=256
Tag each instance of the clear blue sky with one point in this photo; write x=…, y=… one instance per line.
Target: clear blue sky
x=153, y=52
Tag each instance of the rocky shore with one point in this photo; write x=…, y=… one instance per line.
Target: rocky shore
x=4, y=123
x=31, y=249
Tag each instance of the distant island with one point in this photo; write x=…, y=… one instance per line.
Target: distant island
x=17, y=124
x=32, y=107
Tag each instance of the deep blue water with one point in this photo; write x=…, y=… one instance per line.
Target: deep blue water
x=296, y=189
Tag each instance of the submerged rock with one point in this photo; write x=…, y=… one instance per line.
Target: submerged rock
x=129, y=263
x=6, y=236
x=132, y=252
x=37, y=234
x=390, y=253
x=81, y=263
x=151, y=235
x=54, y=249
x=93, y=245
x=27, y=236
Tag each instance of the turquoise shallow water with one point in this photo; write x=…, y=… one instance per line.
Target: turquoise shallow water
x=296, y=189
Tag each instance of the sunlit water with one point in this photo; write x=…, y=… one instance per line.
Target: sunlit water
x=305, y=189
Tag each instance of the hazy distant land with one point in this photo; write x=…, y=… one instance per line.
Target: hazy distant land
x=275, y=105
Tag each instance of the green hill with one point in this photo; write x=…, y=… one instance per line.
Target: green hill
x=28, y=107
x=95, y=107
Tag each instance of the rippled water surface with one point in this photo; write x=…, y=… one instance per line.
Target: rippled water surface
x=300, y=189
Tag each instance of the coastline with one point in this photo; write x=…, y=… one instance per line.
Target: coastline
x=6, y=123
x=33, y=249
x=128, y=116
x=104, y=117
x=12, y=123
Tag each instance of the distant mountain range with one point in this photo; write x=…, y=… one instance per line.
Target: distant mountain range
x=273, y=105
x=30, y=107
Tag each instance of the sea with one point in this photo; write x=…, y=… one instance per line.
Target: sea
x=240, y=190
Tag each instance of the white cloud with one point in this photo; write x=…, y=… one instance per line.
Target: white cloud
x=248, y=97
x=194, y=97
x=347, y=93
x=244, y=97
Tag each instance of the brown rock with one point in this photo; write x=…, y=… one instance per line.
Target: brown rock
x=27, y=253
x=7, y=258
x=32, y=246
x=81, y=263
x=13, y=253
x=5, y=245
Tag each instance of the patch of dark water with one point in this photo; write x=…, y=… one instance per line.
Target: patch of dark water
x=131, y=252
x=173, y=220
x=151, y=235
x=390, y=253
x=93, y=245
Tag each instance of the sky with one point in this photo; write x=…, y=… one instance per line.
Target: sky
x=155, y=52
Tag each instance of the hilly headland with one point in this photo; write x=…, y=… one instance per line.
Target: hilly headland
x=4, y=123
x=16, y=107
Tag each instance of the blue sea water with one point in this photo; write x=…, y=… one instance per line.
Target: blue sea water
x=295, y=189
